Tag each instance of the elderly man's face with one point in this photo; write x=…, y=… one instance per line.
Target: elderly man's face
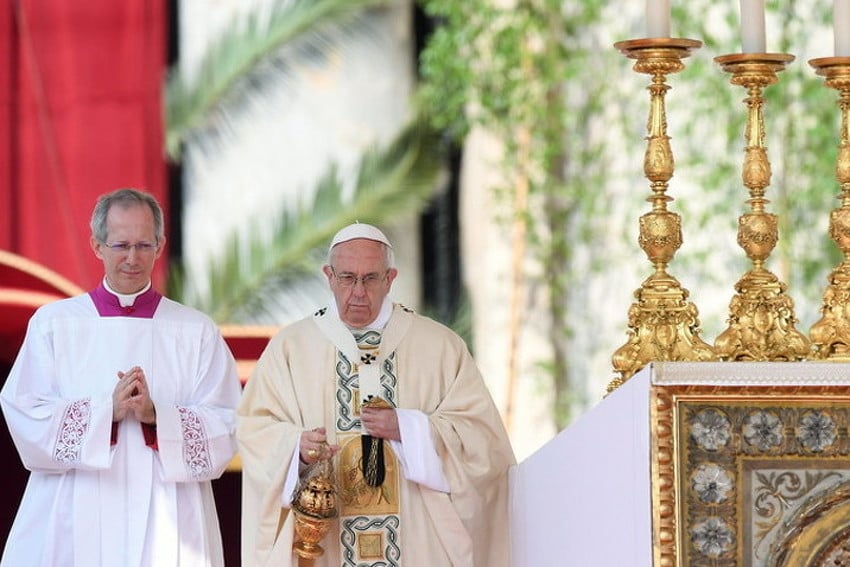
x=360, y=280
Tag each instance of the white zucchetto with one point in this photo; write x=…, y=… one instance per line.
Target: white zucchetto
x=359, y=230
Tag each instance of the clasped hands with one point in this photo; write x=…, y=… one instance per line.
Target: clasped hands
x=131, y=396
x=380, y=422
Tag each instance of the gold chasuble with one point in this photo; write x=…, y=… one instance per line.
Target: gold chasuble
x=370, y=522
x=393, y=511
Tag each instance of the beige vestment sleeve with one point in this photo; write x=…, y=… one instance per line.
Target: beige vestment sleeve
x=270, y=420
x=476, y=454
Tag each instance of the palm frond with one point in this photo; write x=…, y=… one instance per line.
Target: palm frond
x=397, y=179
x=192, y=104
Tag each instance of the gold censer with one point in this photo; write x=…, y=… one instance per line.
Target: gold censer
x=314, y=506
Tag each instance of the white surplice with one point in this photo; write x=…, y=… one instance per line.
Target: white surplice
x=92, y=503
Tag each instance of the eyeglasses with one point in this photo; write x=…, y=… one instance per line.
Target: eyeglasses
x=369, y=281
x=125, y=247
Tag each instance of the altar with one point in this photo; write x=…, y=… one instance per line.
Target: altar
x=696, y=463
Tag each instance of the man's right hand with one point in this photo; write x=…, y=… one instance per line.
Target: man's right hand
x=124, y=391
x=314, y=447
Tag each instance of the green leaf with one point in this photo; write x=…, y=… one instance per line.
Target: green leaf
x=233, y=66
x=391, y=181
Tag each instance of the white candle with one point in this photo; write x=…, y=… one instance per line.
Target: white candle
x=657, y=18
x=841, y=27
x=752, y=26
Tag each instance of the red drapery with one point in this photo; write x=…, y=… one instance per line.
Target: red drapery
x=80, y=115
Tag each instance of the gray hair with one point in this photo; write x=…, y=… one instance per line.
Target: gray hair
x=389, y=257
x=125, y=198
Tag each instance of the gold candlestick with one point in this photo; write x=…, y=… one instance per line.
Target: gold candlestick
x=761, y=315
x=663, y=324
x=830, y=336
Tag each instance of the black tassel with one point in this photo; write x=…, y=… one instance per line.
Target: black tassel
x=374, y=469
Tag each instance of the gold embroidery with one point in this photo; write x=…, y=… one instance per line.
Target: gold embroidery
x=376, y=402
x=356, y=496
x=370, y=545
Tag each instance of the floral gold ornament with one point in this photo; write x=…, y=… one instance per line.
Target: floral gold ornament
x=749, y=465
x=761, y=314
x=830, y=336
x=314, y=506
x=663, y=324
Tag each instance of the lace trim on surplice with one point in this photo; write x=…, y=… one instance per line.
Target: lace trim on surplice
x=196, y=451
x=72, y=431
